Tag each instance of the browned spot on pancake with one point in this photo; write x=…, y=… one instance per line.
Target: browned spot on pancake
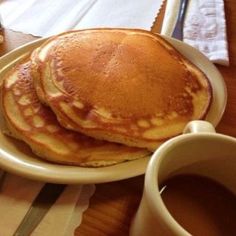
x=182, y=104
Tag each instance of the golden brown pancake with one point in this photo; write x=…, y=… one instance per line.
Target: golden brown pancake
x=121, y=85
x=35, y=124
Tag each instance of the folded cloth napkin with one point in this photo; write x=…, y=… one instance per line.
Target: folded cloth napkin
x=63, y=217
x=204, y=27
x=46, y=18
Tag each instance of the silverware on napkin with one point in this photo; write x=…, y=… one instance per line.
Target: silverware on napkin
x=40, y=206
x=178, y=29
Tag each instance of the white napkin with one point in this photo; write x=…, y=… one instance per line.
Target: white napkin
x=46, y=18
x=204, y=27
x=63, y=217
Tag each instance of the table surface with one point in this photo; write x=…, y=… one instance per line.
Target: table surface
x=114, y=204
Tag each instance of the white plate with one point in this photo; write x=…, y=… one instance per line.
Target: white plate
x=17, y=158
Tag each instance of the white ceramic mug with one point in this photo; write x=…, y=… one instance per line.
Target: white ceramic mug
x=200, y=150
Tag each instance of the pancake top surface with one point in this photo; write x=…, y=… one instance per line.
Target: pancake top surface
x=124, y=77
x=127, y=74
x=36, y=124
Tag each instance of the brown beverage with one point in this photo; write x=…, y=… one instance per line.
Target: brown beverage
x=200, y=205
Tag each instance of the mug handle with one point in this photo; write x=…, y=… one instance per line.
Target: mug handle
x=199, y=126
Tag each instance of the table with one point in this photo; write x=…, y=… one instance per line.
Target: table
x=114, y=204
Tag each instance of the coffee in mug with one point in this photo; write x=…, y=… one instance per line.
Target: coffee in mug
x=200, y=205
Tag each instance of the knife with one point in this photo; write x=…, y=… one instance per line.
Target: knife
x=178, y=29
x=40, y=206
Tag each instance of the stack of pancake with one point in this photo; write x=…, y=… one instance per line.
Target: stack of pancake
x=102, y=96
